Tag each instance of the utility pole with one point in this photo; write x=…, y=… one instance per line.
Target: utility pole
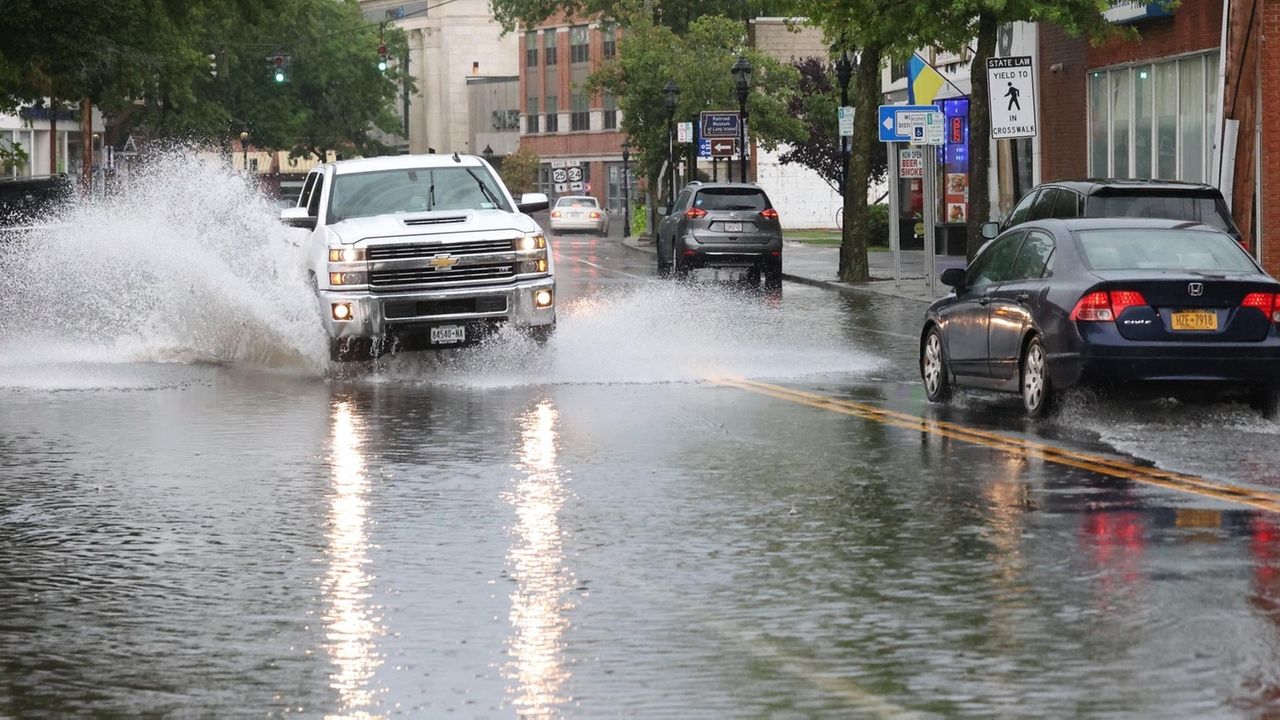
x=86, y=142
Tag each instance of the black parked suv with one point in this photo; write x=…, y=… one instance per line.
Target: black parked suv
x=1163, y=199
x=27, y=201
x=722, y=225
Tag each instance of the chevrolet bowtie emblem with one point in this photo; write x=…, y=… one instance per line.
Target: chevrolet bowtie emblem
x=443, y=262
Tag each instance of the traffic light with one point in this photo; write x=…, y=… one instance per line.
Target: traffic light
x=278, y=69
x=213, y=65
x=382, y=58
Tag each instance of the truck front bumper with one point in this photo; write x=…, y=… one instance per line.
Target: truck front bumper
x=376, y=315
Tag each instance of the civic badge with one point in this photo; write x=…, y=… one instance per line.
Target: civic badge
x=443, y=262
x=1195, y=289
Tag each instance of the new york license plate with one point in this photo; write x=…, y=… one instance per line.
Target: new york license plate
x=733, y=227
x=448, y=334
x=1195, y=320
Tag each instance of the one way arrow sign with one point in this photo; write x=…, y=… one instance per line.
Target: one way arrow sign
x=724, y=148
x=898, y=122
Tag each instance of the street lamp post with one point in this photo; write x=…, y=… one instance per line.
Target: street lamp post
x=244, y=150
x=741, y=71
x=844, y=70
x=626, y=189
x=670, y=95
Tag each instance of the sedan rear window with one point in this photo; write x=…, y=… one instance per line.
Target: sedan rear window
x=1163, y=249
x=1167, y=207
x=748, y=199
x=576, y=202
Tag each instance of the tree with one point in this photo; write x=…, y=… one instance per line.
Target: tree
x=519, y=171
x=815, y=105
x=699, y=63
x=983, y=18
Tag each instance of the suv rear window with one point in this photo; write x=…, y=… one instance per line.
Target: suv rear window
x=1168, y=207
x=1163, y=249
x=750, y=199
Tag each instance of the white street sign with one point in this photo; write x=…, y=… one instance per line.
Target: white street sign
x=1011, y=90
x=684, y=132
x=845, y=116
x=911, y=163
x=925, y=128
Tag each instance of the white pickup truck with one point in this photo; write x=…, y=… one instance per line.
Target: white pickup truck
x=418, y=252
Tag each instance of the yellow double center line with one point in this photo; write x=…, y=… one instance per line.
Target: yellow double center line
x=1100, y=464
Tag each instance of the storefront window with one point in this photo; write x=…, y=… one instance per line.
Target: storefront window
x=1099, y=117
x=1142, y=113
x=1191, y=107
x=1120, y=106
x=1167, y=120
x=1153, y=120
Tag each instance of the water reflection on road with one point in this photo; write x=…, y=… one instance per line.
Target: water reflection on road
x=351, y=625
x=536, y=562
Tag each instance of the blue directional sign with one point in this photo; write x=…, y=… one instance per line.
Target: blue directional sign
x=704, y=147
x=719, y=124
x=899, y=123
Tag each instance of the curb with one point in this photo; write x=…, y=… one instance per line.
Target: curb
x=833, y=286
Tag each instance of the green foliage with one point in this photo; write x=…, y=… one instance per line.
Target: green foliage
x=878, y=220
x=699, y=62
x=12, y=156
x=639, y=221
x=520, y=171
x=146, y=62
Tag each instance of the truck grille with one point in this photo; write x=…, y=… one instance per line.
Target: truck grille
x=421, y=250
x=460, y=306
x=431, y=276
x=447, y=220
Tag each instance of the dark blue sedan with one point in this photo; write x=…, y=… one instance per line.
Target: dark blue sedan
x=1140, y=304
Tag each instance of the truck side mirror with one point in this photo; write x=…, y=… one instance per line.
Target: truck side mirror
x=533, y=202
x=298, y=217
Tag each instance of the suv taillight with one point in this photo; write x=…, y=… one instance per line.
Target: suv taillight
x=1103, y=306
x=1266, y=302
x=769, y=214
x=695, y=213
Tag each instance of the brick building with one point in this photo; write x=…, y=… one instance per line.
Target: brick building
x=1193, y=99
x=576, y=133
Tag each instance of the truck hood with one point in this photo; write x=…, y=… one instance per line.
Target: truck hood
x=432, y=224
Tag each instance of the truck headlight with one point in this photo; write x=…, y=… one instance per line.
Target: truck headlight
x=533, y=266
x=531, y=241
x=542, y=298
x=348, y=278
x=346, y=254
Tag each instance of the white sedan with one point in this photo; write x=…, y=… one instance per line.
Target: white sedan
x=574, y=213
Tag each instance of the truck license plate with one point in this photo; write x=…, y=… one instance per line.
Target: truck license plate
x=448, y=334
x=733, y=227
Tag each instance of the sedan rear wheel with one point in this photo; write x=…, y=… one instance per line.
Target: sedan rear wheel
x=1037, y=391
x=933, y=368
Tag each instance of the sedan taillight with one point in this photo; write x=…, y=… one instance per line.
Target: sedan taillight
x=1268, y=303
x=769, y=214
x=695, y=213
x=1103, y=306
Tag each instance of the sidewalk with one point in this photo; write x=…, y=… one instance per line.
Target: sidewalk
x=816, y=265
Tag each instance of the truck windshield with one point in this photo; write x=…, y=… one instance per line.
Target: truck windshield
x=387, y=192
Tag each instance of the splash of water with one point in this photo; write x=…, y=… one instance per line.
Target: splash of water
x=187, y=264
x=651, y=332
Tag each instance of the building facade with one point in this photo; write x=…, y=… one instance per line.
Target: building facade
x=1189, y=101
x=450, y=43
x=576, y=133
x=50, y=147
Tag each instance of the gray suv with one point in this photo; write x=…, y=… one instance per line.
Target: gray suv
x=722, y=225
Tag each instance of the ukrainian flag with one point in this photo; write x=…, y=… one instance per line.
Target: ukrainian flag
x=923, y=82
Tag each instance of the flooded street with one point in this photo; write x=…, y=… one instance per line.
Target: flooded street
x=199, y=516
